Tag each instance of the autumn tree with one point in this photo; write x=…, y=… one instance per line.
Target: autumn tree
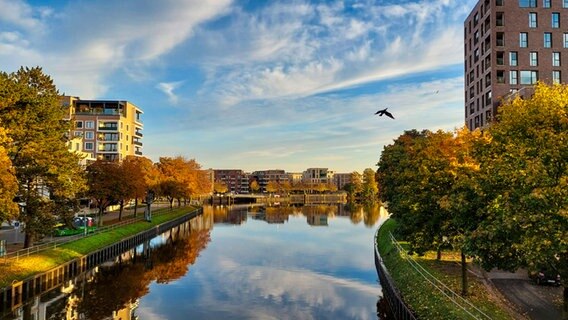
x=141, y=176
x=220, y=187
x=369, y=189
x=101, y=179
x=181, y=179
x=8, y=182
x=254, y=186
x=272, y=186
x=524, y=172
x=32, y=114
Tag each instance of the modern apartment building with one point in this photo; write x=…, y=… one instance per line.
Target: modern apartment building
x=317, y=175
x=265, y=176
x=235, y=179
x=509, y=46
x=111, y=129
x=341, y=179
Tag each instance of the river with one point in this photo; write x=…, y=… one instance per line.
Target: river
x=242, y=262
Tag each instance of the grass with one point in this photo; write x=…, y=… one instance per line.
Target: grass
x=422, y=297
x=25, y=267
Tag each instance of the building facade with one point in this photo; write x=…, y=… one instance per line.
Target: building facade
x=265, y=176
x=111, y=129
x=235, y=179
x=509, y=45
x=341, y=179
x=317, y=176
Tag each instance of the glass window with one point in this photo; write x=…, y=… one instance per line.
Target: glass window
x=529, y=77
x=78, y=133
x=546, y=3
x=565, y=3
x=548, y=40
x=532, y=20
x=556, y=59
x=555, y=76
x=89, y=135
x=555, y=20
x=533, y=59
x=529, y=3
x=499, y=3
x=89, y=124
x=566, y=40
x=513, y=58
x=79, y=124
x=88, y=146
x=513, y=77
x=523, y=39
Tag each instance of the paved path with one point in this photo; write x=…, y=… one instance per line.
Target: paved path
x=532, y=300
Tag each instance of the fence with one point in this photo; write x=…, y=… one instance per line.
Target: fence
x=399, y=309
x=58, y=242
x=457, y=299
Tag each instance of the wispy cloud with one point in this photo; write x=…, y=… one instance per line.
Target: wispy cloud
x=168, y=89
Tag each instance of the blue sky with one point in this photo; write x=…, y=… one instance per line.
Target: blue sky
x=254, y=84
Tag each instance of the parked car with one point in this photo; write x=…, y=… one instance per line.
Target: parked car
x=547, y=276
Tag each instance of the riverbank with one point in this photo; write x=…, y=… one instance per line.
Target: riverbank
x=423, y=298
x=37, y=263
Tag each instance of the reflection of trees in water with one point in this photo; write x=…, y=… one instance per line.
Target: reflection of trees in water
x=114, y=288
x=383, y=309
x=226, y=214
x=368, y=213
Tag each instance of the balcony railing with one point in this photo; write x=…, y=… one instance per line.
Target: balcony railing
x=138, y=153
x=138, y=143
x=138, y=133
x=107, y=128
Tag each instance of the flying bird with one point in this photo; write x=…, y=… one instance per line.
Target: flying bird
x=384, y=112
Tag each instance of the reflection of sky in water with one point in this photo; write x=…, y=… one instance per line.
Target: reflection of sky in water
x=275, y=271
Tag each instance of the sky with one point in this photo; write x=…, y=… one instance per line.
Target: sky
x=254, y=84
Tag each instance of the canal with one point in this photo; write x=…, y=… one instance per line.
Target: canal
x=239, y=262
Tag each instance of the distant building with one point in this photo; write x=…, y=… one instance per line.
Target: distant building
x=265, y=176
x=111, y=129
x=341, y=179
x=509, y=46
x=317, y=176
x=235, y=179
x=317, y=220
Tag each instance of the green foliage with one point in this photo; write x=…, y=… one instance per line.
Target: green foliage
x=31, y=111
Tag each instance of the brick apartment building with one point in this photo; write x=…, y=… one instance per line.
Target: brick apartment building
x=509, y=46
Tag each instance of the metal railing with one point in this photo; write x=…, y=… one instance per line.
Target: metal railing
x=399, y=309
x=457, y=299
x=54, y=243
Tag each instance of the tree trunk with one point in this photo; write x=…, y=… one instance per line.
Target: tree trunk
x=439, y=254
x=464, y=274
x=135, y=206
x=28, y=240
x=565, y=311
x=171, y=200
x=100, y=214
x=120, y=210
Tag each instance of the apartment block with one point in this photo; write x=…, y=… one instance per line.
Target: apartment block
x=509, y=45
x=235, y=179
x=341, y=179
x=110, y=129
x=317, y=175
x=265, y=176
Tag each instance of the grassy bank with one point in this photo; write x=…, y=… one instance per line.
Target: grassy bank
x=423, y=297
x=46, y=260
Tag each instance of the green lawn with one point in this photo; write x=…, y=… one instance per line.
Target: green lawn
x=26, y=267
x=423, y=297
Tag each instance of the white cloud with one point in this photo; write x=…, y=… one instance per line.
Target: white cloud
x=168, y=89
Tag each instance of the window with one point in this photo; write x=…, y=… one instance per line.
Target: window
x=555, y=20
x=513, y=59
x=555, y=76
x=488, y=98
x=565, y=3
x=500, y=58
x=532, y=20
x=500, y=19
x=78, y=124
x=500, y=76
x=529, y=3
x=78, y=133
x=533, y=59
x=556, y=59
x=89, y=135
x=566, y=40
x=529, y=77
x=476, y=55
x=499, y=3
x=548, y=40
x=88, y=146
x=500, y=39
x=523, y=39
x=89, y=124
x=513, y=77
x=546, y=3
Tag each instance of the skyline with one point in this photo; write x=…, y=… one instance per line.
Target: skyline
x=252, y=85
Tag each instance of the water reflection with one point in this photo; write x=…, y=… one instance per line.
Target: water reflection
x=312, y=262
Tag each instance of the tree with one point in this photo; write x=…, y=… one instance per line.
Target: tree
x=272, y=186
x=141, y=175
x=8, y=182
x=220, y=187
x=369, y=189
x=524, y=173
x=31, y=113
x=182, y=178
x=254, y=186
x=101, y=179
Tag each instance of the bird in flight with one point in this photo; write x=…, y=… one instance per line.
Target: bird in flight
x=384, y=112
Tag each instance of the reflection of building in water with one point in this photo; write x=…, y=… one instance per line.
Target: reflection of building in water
x=317, y=220
x=225, y=214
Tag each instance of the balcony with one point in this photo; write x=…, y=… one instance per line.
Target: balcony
x=137, y=143
x=138, y=153
x=108, y=128
x=138, y=134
